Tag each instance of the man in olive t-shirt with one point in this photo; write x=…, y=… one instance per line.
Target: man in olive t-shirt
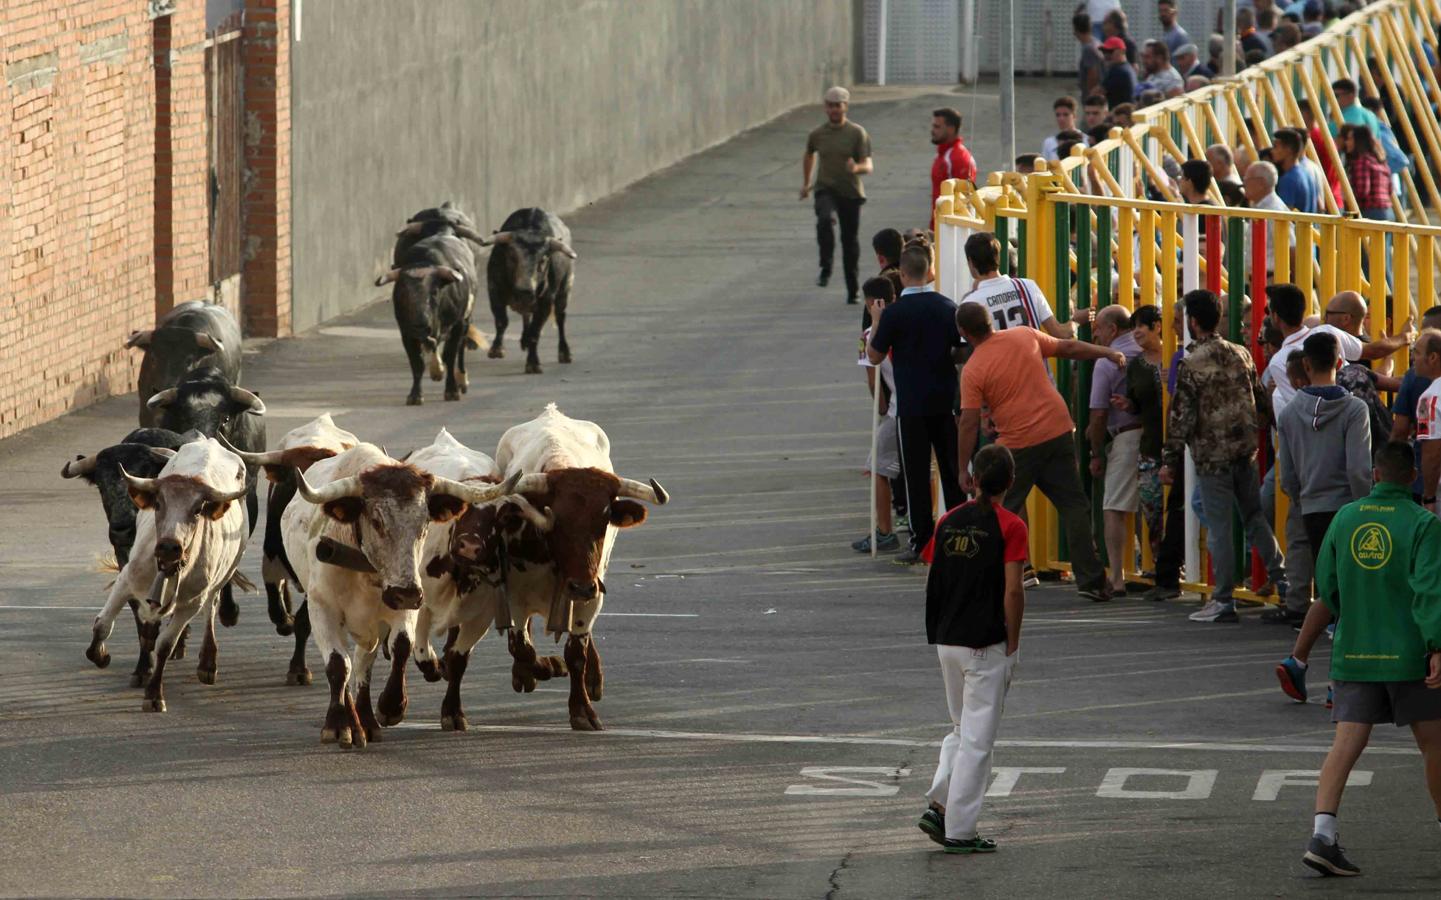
x=844, y=152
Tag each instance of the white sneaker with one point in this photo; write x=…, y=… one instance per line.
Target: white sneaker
x=1214, y=612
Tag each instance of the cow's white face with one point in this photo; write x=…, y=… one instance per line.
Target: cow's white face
x=197, y=486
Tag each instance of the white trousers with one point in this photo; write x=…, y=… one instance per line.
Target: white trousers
x=976, y=684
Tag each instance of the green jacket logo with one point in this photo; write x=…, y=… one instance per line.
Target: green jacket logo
x=1371, y=545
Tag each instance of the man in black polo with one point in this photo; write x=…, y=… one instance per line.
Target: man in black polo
x=919, y=332
x=840, y=153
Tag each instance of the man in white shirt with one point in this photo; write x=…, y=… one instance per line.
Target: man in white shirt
x=1259, y=184
x=1014, y=301
x=1065, y=110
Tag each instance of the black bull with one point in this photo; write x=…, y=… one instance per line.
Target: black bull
x=531, y=272
x=434, y=282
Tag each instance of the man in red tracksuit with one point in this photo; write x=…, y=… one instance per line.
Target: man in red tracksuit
x=953, y=160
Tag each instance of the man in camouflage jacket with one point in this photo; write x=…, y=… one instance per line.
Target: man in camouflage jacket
x=1217, y=409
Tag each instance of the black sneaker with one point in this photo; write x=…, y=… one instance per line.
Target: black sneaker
x=1328, y=859
x=851, y=300
x=933, y=823
x=823, y=279
x=976, y=844
x=1160, y=592
x=1282, y=616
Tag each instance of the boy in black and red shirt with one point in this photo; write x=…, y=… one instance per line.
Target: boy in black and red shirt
x=974, y=604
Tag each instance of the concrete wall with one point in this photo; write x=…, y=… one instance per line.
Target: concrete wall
x=497, y=105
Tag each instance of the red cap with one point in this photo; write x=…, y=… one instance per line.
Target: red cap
x=1113, y=43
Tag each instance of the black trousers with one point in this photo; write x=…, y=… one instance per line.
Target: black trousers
x=1173, y=541
x=1316, y=526
x=920, y=435
x=846, y=210
x=1051, y=466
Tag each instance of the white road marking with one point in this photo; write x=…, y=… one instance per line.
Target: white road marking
x=1007, y=777
x=90, y=608
x=1199, y=784
x=860, y=787
x=863, y=741
x=1272, y=780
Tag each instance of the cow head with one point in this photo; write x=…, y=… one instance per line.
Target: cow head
x=206, y=401
x=102, y=470
x=528, y=255
x=391, y=507
x=173, y=351
x=184, y=498
x=416, y=299
x=576, y=506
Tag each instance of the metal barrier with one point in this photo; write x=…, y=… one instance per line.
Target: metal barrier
x=1085, y=231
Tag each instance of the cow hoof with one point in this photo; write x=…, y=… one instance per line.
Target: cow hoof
x=177, y=652
x=155, y=704
x=357, y=737
x=588, y=722
x=595, y=688
x=97, y=654
x=414, y=400
x=429, y=669
x=300, y=676
x=564, y=357
x=286, y=628
x=329, y=736
x=533, y=369
x=137, y=680
x=555, y=665
x=496, y=353
x=456, y=722
x=343, y=738
x=229, y=616
x=206, y=676
x=372, y=736
x=389, y=719
x=452, y=395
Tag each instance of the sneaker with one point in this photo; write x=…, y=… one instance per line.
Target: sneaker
x=1118, y=592
x=1095, y=595
x=976, y=844
x=1328, y=859
x=1243, y=603
x=1160, y=592
x=1331, y=632
x=1029, y=578
x=823, y=279
x=883, y=542
x=907, y=557
x=1215, y=612
x=1329, y=703
x=903, y=523
x=1282, y=616
x=851, y=300
x=933, y=823
x=1292, y=676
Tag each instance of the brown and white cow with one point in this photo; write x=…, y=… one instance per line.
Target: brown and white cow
x=377, y=510
x=556, y=559
x=190, y=535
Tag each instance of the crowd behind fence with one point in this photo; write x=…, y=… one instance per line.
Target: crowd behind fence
x=1107, y=224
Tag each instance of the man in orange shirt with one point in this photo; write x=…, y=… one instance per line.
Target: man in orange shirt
x=1007, y=373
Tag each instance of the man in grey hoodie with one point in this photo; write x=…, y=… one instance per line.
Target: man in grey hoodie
x=1324, y=455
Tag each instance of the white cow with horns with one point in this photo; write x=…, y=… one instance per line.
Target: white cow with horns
x=190, y=535
x=353, y=538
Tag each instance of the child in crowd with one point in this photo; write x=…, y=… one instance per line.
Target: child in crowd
x=886, y=466
x=974, y=605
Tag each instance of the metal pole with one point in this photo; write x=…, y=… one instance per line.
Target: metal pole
x=1008, y=86
x=1228, y=27
x=881, y=41
x=970, y=64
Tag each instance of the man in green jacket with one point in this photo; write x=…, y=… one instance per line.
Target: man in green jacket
x=1379, y=570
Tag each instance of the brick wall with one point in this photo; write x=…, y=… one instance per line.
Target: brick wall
x=78, y=194
x=266, y=276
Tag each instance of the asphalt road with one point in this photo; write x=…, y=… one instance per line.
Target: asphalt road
x=773, y=711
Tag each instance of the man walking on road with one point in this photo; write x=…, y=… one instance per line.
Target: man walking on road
x=919, y=332
x=1379, y=570
x=1216, y=409
x=1007, y=373
x=839, y=153
x=974, y=604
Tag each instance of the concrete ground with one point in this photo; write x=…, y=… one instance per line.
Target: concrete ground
x=773, y=710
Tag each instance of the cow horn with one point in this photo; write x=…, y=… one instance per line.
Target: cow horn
x=410, y=228
x=534, y=483
x=474, y=493
x=341, y=487
x=470, y=234
x=161, y=454
x=387, y=278
x=209, y=342
x=214, y=495
x=446, y=273
x=562, y=246
x=247, y=398
x=651, y=493
x=162, y=399
x=268, y=458
x=544, y=519
x=80, y=465
x=500, y=237
x=139, y=339
x=144, y=485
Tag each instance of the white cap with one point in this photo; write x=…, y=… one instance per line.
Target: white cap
x=838, y=94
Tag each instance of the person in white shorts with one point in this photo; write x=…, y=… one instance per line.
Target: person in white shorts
x=1115, y=436
x=887, y=464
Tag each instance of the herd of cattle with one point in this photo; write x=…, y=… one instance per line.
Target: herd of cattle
x=388, y=553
